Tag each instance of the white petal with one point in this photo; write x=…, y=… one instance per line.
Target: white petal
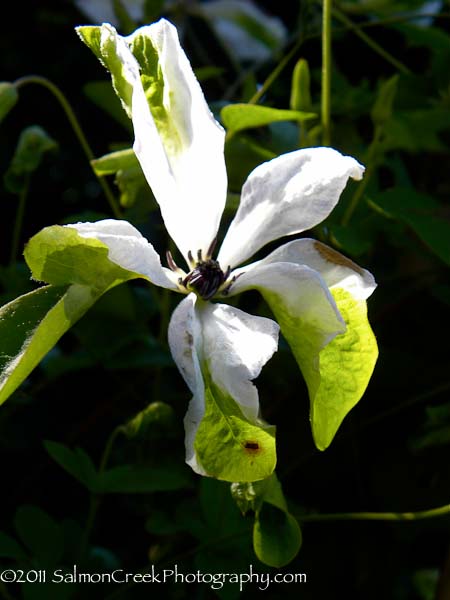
x=129, y=249
x=184, y=162
x=298, y=296
x=336, y=270
x=286, y=195
x=184, y=337
x=231, y=346
x=236, y=346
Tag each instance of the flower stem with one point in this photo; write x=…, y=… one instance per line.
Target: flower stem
x=19, y=220
x=60, y=97
x=276, y=72
x=374, y=516
x=326, y=73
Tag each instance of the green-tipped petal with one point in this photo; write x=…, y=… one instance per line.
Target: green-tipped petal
x=128, y=249
x=336, y=269
x=327, y=329
x=177, y=140
x=219, y=350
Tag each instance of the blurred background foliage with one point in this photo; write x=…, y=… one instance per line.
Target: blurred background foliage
x=85, y=480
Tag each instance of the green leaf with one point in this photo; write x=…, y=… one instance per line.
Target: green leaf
x=401, y=131
x=135, y=479
x=129, y=176
x=31, y=325
x=76, y=462
x=277, y=536
x=351, y=240
x=237, y=117
x=9, y=548
x=33, y=143
x=155, y=415
x=8, y=98
x=115, y=161
x=59, y=255
x=228, y=446
x=382, y=108
x=40, y=534
x=301, y=87
x=345, y=367
x=419, y=212
x=337, y=374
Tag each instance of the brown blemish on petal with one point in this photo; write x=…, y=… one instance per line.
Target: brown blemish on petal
x=252, y=447
x=336, y=258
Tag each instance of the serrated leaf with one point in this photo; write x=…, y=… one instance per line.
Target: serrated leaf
x=76, y=462
x=40, y=534
x=33, y=143
x=228, y=445
x=237, y=117
x=10, y=548
x=8, y=98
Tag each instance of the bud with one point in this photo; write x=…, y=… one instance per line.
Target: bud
x=301, y=87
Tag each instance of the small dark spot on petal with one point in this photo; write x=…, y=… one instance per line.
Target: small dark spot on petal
x=251, y=446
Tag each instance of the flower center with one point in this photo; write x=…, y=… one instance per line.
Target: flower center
x=206, y=277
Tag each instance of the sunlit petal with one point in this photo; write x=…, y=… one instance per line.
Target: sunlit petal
x=129, y=249
x=219, y=347
x=336, y=269
x=177, y=140
x=286, y=195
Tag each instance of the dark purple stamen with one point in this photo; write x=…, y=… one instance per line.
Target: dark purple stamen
x=206, y=278
x=172, y=264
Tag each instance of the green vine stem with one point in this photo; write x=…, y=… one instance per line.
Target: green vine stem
x=340, y=16
x=276, y=72
x=362, y=186
x=19, y=220
x=96, y=499
x=375, y=516
x=326, y=73
x=53, y=89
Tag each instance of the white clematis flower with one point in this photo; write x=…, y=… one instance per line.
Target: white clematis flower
x=316, y=294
